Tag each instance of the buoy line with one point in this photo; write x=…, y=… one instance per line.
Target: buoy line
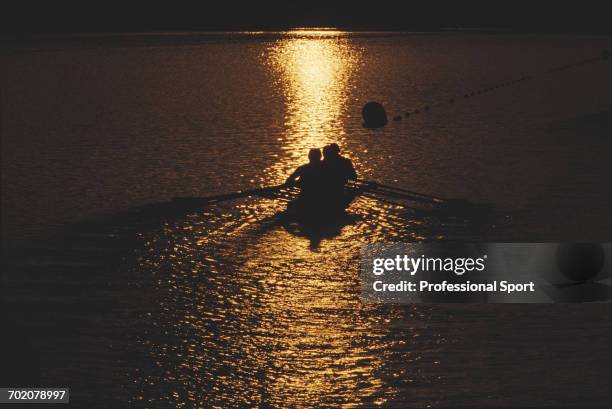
x=374, y=114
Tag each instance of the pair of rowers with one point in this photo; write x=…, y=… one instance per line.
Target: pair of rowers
x=325, y=175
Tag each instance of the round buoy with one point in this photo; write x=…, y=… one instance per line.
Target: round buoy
x=605, y=55
x=374, y=115
x=580, y=262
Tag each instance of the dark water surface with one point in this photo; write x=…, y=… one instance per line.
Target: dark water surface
x=225, y=307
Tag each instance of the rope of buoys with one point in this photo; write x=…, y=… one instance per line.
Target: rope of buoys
x=375, y=116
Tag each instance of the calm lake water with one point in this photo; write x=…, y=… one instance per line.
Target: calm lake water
x=223, y=307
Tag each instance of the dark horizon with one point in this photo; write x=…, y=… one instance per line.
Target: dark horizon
x=67, y=17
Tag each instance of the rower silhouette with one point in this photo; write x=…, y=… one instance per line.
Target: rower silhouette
x=323, y=191
x=337, y=169
x=309, y=176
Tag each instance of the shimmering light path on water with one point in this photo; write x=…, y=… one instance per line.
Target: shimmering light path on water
x=227, y=307
x=315, y=73
x=271, y=322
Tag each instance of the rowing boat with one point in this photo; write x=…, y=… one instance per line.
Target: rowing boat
x=326, y=206
x=321, y=208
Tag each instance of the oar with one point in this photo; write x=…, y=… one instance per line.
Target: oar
x=403, y=196
x=389, y=202
x=375, y=187
x=230, y=196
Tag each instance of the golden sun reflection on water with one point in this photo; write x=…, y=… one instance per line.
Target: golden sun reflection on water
x=252, y=316
x=313, y=69
x=326, y=354
x=251, y=312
